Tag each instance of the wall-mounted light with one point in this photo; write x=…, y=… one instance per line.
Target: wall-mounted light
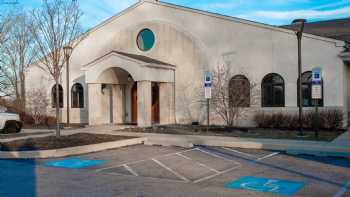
x=129, y=78
x=103, y=87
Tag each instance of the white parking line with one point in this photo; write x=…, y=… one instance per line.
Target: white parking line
x=239, y=152
x=218, y=156
x=130, y=170
x=201, y=164
x=171, y=170
x=143, y=160
x=267, y=156
x=342, y=190
x=214, y=175
x=180, y=176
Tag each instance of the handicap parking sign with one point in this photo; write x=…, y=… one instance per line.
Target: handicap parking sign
x=277, y=186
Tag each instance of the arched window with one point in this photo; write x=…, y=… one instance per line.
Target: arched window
x=60, y=96
x=239, y=91
x=306, y=88
x=77, y=94
x=272, y=90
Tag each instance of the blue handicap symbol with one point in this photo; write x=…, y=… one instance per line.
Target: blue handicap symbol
x=74, y=163
x=277, y=186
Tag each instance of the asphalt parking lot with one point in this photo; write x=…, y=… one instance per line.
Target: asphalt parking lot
x=142, y=171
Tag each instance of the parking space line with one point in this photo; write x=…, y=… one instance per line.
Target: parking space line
x=201, y=164
x=143, y=160
x=267, y=156
x=212, y=154
x=217, y=174
x=130, y=170
x=171, y=170
x=218, y=156
x=342, y=190
x=181, y=155
x=239, y=152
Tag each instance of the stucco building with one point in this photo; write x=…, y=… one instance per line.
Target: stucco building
x=145, y=65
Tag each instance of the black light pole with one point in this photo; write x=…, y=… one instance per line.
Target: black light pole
x=300, y=23
x=67, y=53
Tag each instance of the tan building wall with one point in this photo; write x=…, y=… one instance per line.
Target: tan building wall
x=196, y=41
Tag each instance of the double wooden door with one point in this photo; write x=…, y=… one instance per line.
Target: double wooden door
x=155, y=103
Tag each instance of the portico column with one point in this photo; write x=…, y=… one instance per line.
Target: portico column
x=144, y=103
x=166, y=103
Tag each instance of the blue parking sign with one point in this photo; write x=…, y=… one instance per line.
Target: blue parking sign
x=277, y=186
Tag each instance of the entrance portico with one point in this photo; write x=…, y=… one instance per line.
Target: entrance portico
x=126, y=88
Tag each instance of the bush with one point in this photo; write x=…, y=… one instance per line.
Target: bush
x=333, y=119
x=49, y=121
x=27, y=119
x=326, y=119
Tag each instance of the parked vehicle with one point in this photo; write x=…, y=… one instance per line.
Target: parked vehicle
x=10, y=122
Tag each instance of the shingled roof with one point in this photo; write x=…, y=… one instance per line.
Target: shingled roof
x=338, y=29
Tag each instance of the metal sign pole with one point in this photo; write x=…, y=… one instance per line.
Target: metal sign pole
x=316, y=96
x=208, y=79
x=317, y=118
x=208, y=114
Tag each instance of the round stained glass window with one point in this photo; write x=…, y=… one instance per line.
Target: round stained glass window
x=145, y=40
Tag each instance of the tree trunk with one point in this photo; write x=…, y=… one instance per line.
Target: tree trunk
x=23, y=92
x=58, y=134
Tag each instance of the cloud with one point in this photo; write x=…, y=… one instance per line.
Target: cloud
x=332, y=5
x=303, y=13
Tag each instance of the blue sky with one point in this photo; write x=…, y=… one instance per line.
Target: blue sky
x=274, y=12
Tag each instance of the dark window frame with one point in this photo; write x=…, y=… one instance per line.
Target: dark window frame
x=266, y=85
x=77, y=96
x=244, y=98
x=53, y=96
x=308, y=84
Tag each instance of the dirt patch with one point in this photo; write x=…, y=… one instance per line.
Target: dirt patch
x=51, y=142
x=324, y=135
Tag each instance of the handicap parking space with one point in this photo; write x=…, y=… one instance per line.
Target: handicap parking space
x=200, y=170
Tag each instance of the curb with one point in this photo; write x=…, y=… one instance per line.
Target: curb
x=70, y=151
x=289, y=146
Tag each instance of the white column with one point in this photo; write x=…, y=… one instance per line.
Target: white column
x=99, y=105
x=118, y=104
x=144, y=103
x=166, y=103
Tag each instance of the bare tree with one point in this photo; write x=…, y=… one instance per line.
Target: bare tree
x=37, y=104
x=17, y=54
x=231, y=95
x=56, y=25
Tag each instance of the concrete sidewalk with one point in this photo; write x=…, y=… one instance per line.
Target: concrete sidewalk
x=342, y=140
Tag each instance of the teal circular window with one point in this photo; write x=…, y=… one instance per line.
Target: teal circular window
x=145, y=40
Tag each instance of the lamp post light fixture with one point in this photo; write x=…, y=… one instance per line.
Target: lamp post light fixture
x=67, y=50
x=299, y=29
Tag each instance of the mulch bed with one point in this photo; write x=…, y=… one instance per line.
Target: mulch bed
x=51, y=142
x=324, y=135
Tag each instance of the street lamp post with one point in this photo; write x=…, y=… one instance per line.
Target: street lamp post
x=300, y=23
x=67, y=53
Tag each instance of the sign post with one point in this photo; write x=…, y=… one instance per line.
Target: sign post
x=208, y=80
x=316, y=95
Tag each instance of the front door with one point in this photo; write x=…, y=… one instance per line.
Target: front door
x=155, y=103
x=134, y=103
